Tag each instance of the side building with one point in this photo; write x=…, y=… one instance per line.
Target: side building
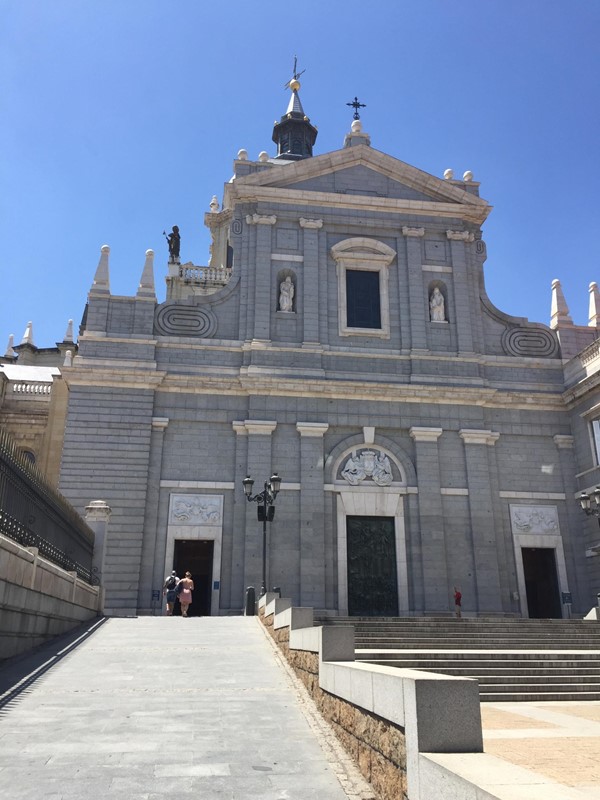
x=341, y=335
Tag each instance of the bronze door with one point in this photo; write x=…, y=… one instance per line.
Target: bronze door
x=372, y=574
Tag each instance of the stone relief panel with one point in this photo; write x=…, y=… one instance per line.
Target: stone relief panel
x=534, y=342
x=176, y=319
x=196, y=509
x=534, y=519
x=367, y=465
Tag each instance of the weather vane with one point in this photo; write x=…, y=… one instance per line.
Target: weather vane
x=296, y=74
x=356, y=105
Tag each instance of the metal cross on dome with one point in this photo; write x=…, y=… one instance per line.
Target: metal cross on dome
x=356, y=105
x=295, y=74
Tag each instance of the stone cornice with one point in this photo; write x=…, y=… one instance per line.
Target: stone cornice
x=257, y=219
x=413, y=232
x=425, y=434
x=460, y=236
x=312, y=428
x=310, y=223
x=220, y=218
x=472, y=436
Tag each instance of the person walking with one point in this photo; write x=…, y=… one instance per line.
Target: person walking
x=186, y=586
x=457, y=602
x=170, y=590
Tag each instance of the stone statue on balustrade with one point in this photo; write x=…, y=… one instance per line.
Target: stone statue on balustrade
x=286, y=295
x=174, y=242
x=437, y=312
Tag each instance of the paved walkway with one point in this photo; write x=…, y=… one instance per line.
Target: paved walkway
x=153, y=708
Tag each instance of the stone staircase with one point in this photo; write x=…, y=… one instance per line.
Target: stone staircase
x=513, y=659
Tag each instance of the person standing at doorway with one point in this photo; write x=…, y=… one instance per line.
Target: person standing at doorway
x=170, y=590
x=457, y=602
x=186, y=586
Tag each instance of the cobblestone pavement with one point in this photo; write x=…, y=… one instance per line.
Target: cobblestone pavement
x=151, y=708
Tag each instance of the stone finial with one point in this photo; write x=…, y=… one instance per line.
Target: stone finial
x=242, y=155
x=28, y=335
x=69, y=332
x=214, y=204
x=68, y=362
x=263, y=156
x=468, y=176
x=146, y=287
x=356, y=135
x=101, y=284
x=448, y=174
x=10, y=353
x=559, y=310
x=356, y=126
x=594, y=315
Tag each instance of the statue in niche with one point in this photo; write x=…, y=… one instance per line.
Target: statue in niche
x=368, y=464
x=286, y=295
x=437, y=311
x=174, y=242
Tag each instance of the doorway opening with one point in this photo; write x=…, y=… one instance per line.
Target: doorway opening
x=372, y=571
x=541, y=582
x=195, y=556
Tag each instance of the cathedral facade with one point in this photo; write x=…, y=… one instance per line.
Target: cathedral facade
x=341, y=338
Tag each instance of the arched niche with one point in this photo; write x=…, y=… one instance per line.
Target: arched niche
x=282, y=294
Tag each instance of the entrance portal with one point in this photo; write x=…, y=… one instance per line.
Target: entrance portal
x=541, y=582
x=195, y=556
x=372, y=571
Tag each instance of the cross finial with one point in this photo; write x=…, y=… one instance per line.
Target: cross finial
x=356, y=105
x=295, y=74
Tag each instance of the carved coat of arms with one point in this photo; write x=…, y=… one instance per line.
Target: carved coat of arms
x=369, y=464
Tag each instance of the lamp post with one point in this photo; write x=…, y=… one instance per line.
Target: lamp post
x=266, y=512
x=590, y=503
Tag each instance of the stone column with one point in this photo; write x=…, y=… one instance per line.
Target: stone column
x=433, y=546
x=310, y=282
x=151, y=568
x=97, y=516
x=260, y=468
x=262, y=276
x=481, y=511
x=312, y=514
x=462, y=289
x=416, y=292
x=574, y=553
x=237, y=590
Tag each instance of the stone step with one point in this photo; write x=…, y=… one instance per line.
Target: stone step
x=455, y=643
x=536, y=696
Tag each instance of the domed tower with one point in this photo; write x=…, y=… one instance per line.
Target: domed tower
x=293, y=134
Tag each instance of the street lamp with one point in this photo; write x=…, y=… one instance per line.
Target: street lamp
x=590, y=503
x=266, y=512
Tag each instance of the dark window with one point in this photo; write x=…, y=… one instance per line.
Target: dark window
x=363, y=308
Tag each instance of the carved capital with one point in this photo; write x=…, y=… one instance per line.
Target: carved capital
x=425, y=434
x=471, y=436
x=239, y=426
x=406, y=231
x=261, y=427
x=98, y=511
x=311, y=223
x=312, y=428
x=160, y=423
x=563, y=442
x=460, y=236
x=257, y=219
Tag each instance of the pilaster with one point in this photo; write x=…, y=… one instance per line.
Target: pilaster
x=481, y=510
x=240, y=515
x=312, y=514
x=418, y=331
x=310, y=281
x=433, y=546
x=462, y=293
x=262, y=275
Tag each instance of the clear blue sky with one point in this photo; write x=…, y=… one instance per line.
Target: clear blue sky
x=121, y=118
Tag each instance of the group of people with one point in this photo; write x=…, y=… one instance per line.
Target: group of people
x=178, y=589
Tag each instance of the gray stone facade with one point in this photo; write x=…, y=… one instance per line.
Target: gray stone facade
x=466, y=416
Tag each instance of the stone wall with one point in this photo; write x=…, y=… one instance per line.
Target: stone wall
x=377, y=745
x=38, y=600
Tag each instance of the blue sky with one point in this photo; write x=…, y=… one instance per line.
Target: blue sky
x=121, y=118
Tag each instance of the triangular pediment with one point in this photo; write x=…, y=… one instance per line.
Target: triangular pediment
x=361, y=170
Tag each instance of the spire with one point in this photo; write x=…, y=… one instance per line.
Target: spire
x=293, y=134
x=146, y=287
x=28, y=335
x=559, y=311
x=101, y=284
x=69, y=332
x=594, y=315
x=10, y=353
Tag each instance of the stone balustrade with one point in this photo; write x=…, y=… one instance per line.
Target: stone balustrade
x=40, y=390
x=218, y=276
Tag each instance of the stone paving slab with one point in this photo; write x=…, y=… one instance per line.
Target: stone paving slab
x=165, y=707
